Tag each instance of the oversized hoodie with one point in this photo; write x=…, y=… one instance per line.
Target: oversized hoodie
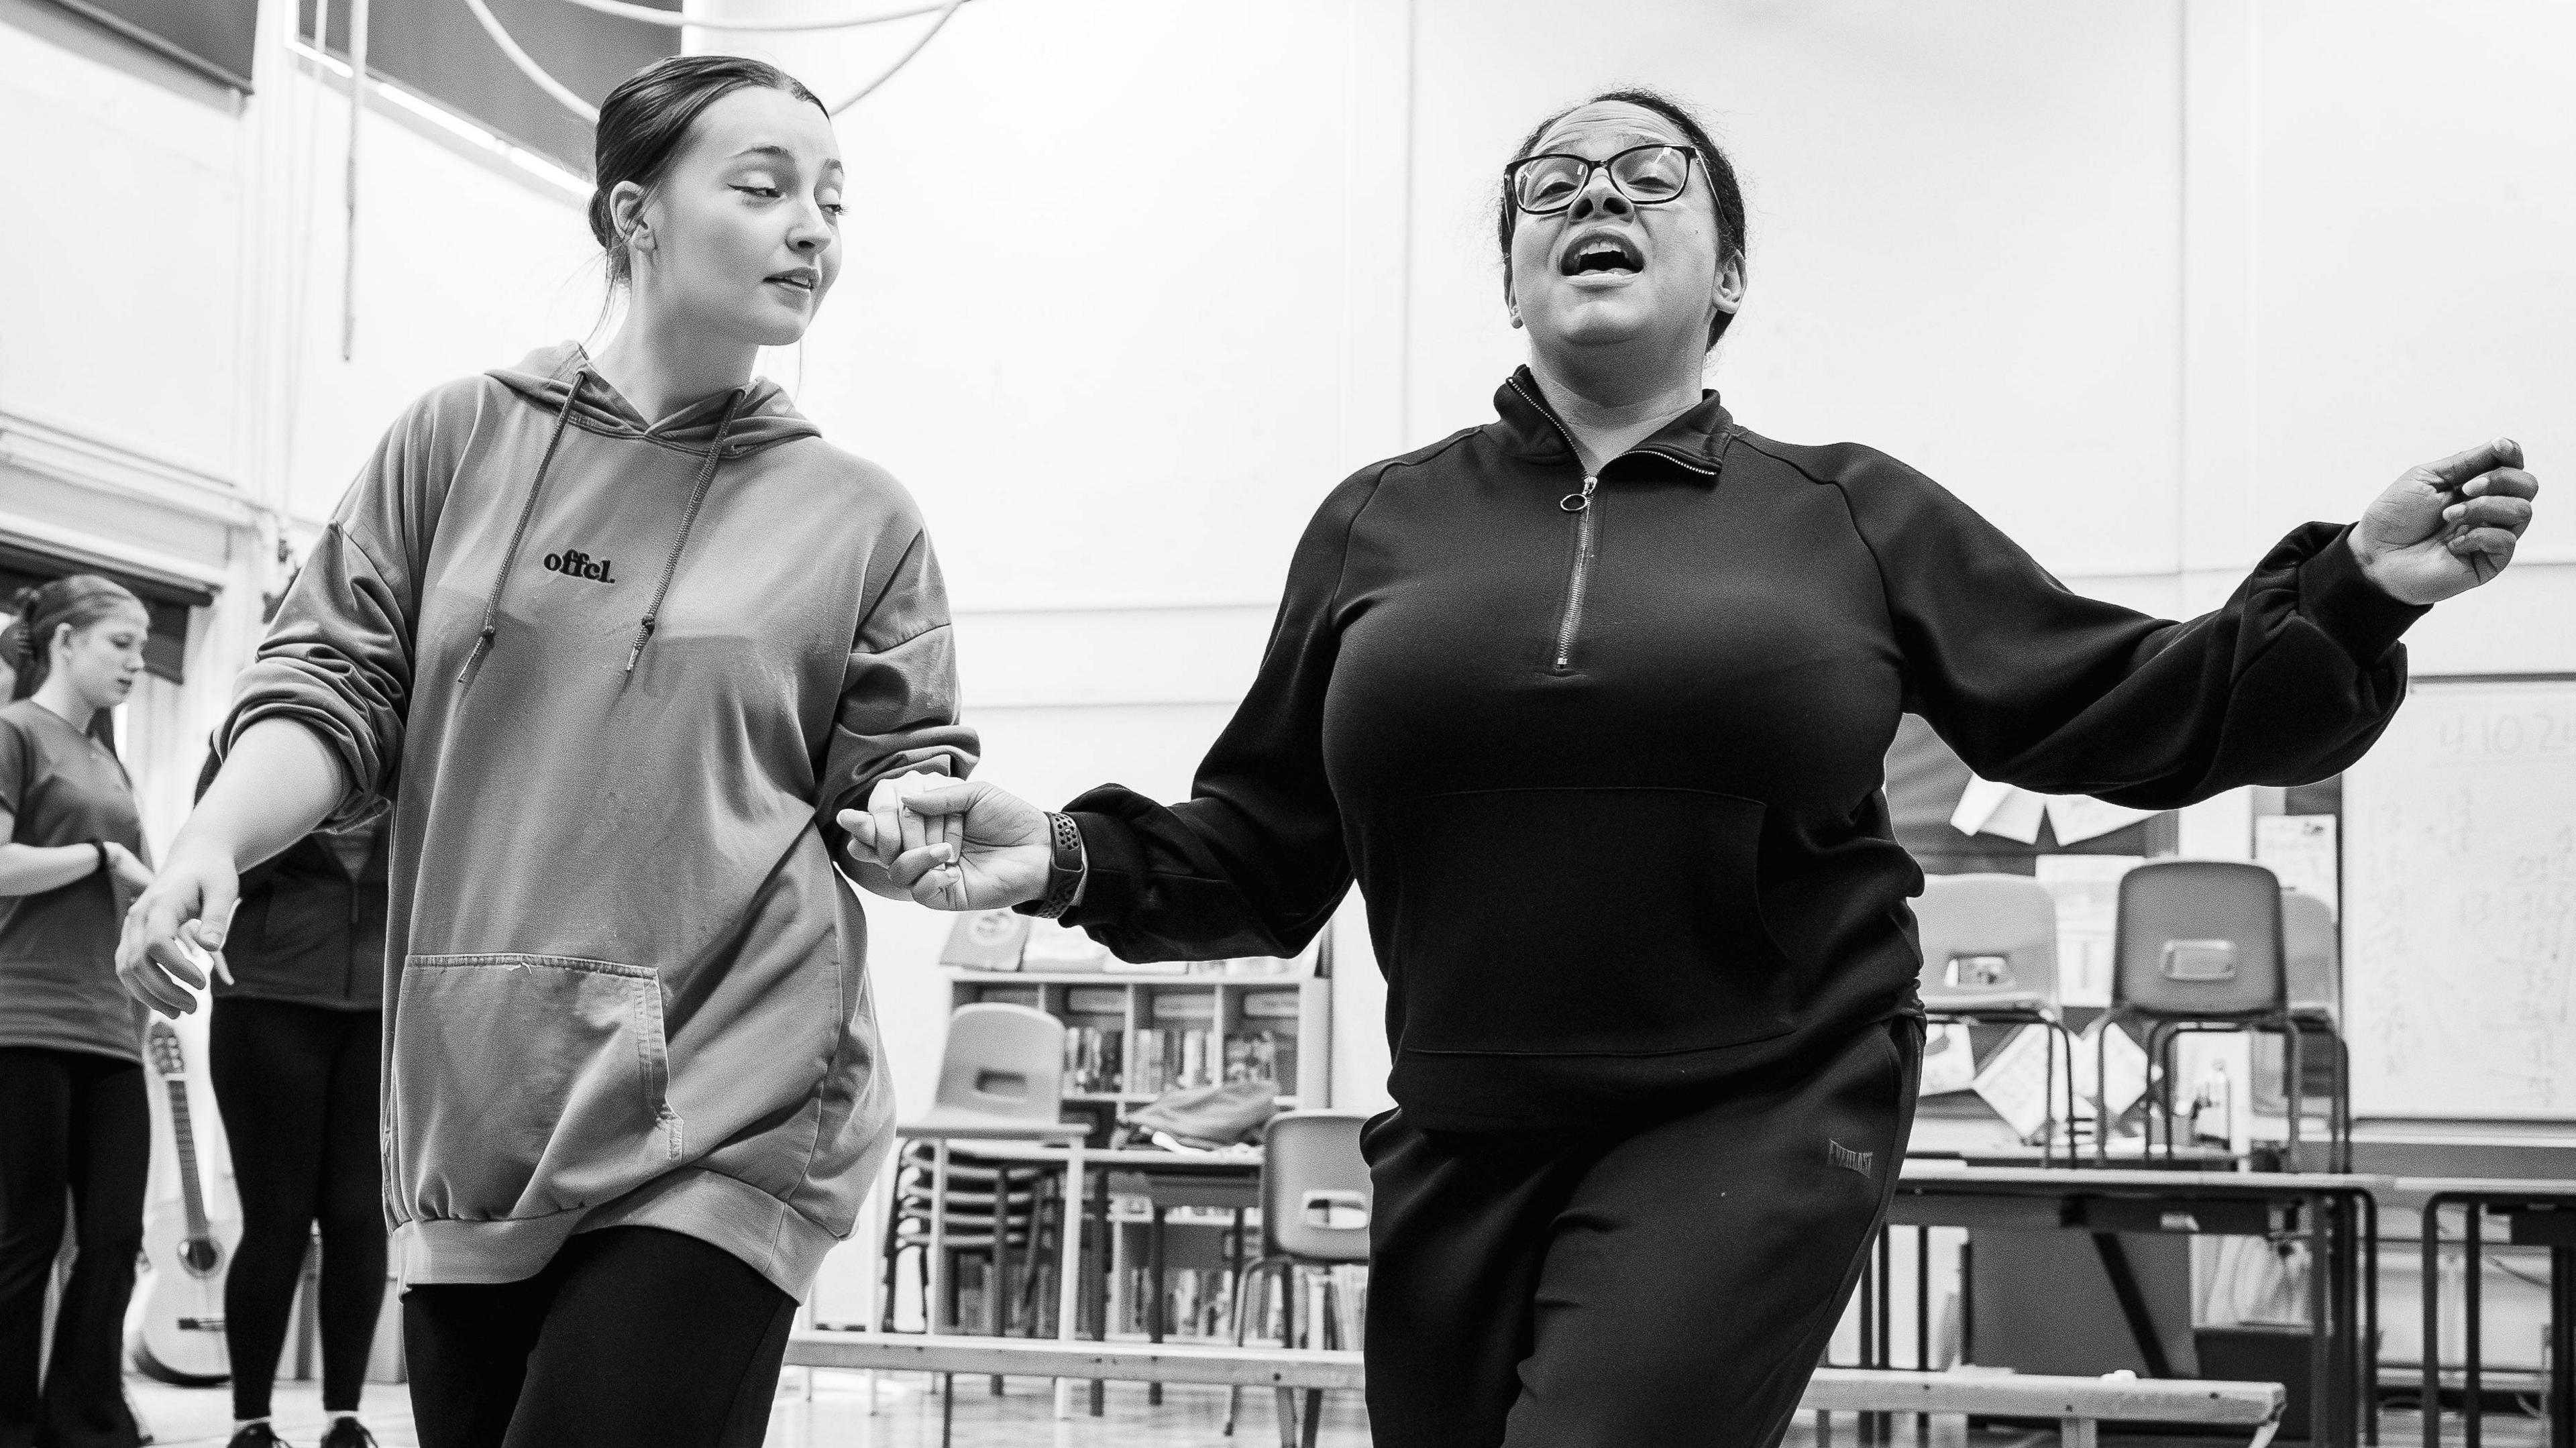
x=616, y=678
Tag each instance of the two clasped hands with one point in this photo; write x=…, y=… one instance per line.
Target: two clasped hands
x=948, y=844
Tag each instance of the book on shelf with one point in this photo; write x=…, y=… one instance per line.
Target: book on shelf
x=1160, y=1059
x=1185, y=1006
x=1270, y=1005
x=1262, y=1056
x=1094, y=1055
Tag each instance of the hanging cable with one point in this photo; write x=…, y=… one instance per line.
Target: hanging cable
x=528, y=66
x=569, y=100
x=349, y=251
x=900, y=61
x=674, y=20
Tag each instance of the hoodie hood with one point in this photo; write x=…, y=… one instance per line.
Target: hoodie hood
x=550, y=375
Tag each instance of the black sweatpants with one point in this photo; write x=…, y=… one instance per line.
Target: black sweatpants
x=632, y=1335
x=76, y=1120
x=1671, y=1282
x=297, y=1085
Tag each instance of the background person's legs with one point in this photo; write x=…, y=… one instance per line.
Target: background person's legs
x=110, y=1158
x=35, y=1157
x=351, y=1211
x=270, y=1065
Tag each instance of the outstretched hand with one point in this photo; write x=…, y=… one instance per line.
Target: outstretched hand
x=2443, y=528
x=966, y=846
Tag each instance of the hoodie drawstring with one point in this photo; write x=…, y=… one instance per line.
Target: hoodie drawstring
x=492, y=601
x=697, y=496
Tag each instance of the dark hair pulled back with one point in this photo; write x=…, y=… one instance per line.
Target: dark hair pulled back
x=80, y=600
x=644, y=121
x=1723, y=188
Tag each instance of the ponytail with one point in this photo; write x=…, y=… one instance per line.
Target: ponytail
x=79, y=600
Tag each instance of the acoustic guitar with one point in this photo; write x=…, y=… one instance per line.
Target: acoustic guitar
x=175, y=1328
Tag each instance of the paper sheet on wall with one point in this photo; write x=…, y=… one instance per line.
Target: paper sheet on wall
x=2015, y=1081
x=2080, y=817
x=1977, y=804
x=1949, y=1060
x=2301, y=850
x=2087, y=891
x=2122, y=1067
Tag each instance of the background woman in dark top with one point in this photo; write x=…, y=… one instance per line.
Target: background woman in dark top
x=72, y=1106
x=294, y=1054
x=1592, y=700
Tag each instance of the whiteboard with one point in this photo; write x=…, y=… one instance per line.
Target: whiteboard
x=2460, y=904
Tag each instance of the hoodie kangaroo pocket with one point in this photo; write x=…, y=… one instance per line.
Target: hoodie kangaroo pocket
x=1584, y=922
x=526, y=1085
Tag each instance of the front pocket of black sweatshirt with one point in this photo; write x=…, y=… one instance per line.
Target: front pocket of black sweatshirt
x=1584, y=922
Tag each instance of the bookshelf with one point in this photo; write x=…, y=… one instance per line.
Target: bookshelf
x=1133, y=1032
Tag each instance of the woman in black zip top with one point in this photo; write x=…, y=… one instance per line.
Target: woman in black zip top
x=1592, y=701
x=293, y=1054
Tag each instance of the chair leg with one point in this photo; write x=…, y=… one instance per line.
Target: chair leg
x=2060, y=1037
x=2342, y=1100
x=1244, y=1282
x=1314, y=1420
x=1287, y=1397
x=2048, y=1100
x=2101, y=1088
x=2296, y=1075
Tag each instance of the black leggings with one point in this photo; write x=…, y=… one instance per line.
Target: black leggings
x=1671, y=1282
x=69, y=1119
x=632, y=1335
x=297, y=1085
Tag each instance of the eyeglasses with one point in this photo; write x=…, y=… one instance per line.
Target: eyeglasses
x=1545, y=184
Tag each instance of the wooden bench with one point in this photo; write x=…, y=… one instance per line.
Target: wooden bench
x=2078, y=1404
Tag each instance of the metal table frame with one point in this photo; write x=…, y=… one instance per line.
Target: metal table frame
x=2337, y=1214
x=2537, y=1214
x=1084, y=1309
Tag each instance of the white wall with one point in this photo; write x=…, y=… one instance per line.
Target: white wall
x=1134, y=282
x=172, y=397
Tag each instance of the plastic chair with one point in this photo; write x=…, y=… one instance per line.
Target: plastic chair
x=2313, y=963
x=975, y=1184
x=1315, y=1208
x=1990, y=956
x=1000, y=1079
x=2198, y=946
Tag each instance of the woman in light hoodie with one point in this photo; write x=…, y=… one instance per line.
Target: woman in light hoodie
x=616, y=638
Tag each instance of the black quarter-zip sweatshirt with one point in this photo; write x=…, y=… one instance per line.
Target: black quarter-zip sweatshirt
x=1607, y=768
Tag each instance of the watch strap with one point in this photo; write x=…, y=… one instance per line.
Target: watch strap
x=1065, y=866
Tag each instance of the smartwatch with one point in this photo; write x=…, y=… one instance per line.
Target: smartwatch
x=1067, y=864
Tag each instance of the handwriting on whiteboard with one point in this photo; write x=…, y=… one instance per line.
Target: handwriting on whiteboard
x=2460, y=905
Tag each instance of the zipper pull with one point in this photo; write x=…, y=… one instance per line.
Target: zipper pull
x=1577, y=502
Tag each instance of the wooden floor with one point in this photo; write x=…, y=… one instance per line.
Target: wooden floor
x=836, y=1416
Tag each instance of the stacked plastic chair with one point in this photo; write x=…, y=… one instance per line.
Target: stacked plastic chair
x=1990, y=957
